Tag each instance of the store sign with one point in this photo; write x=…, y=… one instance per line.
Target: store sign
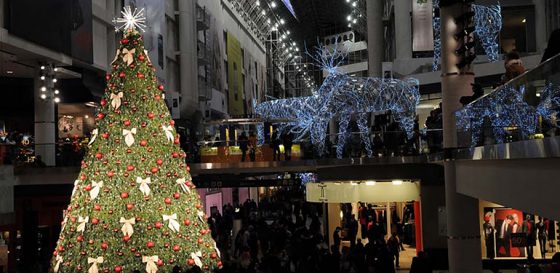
x=346, y=192
x=422, y=30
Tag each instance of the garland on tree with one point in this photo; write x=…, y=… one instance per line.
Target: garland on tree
x=133, y=206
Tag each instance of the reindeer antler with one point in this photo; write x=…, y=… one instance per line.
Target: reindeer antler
x=327, y=59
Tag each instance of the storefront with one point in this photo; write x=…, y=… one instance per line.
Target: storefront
x=509, y=233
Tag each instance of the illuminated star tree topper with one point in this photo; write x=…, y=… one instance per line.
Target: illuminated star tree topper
x=131, y=20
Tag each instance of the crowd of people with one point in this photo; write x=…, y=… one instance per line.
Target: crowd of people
x=285, y=234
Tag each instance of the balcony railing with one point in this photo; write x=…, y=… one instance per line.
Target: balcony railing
x=524, y=108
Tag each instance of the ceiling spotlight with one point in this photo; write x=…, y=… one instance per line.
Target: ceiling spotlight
x=42, y=67
x=349, y=18
x=524, y=20
x=258, y=3
x=43, y=96
x=43, y=89
x=54, y=80
x=56, y=92
x=370, y=183
x=397, y=182
x=273, y=4
x=86, y=116
x=42, y=78
x=282, y=21
x=57, y=100
x=354, y=4
x=263, y=12
x=55, y=69
x=9, y=72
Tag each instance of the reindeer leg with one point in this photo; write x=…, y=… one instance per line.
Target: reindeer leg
x=364, y=133
x=343, y=122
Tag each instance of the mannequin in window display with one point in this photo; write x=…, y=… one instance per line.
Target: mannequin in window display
x=488, y=230
x=542, y=236
x=528, y=227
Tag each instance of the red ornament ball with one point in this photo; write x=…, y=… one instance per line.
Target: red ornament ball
x=130, y=168
x=143, y=143
x=154, y=170
x=100, y=116
x=150, y=244
x=95, y=221
x=158, y=225
x=99, y=155
x=127, y=122
x=161, y=88
x=213, y=255
x=124, y=41
x=151, y=115
x=88, y=188
x=176, y=248
x=157, y=97
x=159, y=162
x=97, y=207
x=110, y=174
x=124, y=195
x=141, y=57
x=122, y=75
x=118, y=269
x=174, y=155
x=129, y=206
x=103, y=102
x=176, y=195
x=126, y=238
x=187, y=222
x=199, y=241
x=105, y=135
x=107, y=76
x=159, y=263
x=104, y=246
x=167, y=201
x=140, y=75
x=190, y=262
x=80, y=238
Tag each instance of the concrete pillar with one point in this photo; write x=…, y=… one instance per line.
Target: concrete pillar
x=540, y=23
x=463, y=235
x=45, y=125
x=403, y=29
x=375, y=37
x=188, y=57
x=333, y=212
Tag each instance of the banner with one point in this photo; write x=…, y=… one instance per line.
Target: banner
x=154, y=35
x=235, y=76
x=422, y=30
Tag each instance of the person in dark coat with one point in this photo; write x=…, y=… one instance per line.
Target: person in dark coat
x=243, y=145
x=553, y=47
x=288, y=142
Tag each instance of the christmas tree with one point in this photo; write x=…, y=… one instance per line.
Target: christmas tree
x=134, y=206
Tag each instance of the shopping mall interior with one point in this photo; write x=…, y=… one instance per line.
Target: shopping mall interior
x=279, y=136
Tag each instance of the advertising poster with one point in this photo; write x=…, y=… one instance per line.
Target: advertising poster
x=70, y=127
x=235, y=76
x=154, y=35
x=508, y=236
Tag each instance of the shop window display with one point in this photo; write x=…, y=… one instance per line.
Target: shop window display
x=511, y=233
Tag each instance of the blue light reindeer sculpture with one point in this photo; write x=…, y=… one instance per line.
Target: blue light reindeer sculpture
x=342, y=96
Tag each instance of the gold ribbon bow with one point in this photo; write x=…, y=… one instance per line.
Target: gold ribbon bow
x=150, y=261
x=82, y=226
x=128, y=57
x=196, y=257
x=147, y=56
x=93, y=136
x=181, y=182
x=129, y=136
x=169, y=132
x=94, y=261
x=96, y=189
x=76, y=182
x=144, y=185
x=116, y=100
x=173, y=224
x=201, y=216
x=116, y=56
x=59, y=261
x=127, y=228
